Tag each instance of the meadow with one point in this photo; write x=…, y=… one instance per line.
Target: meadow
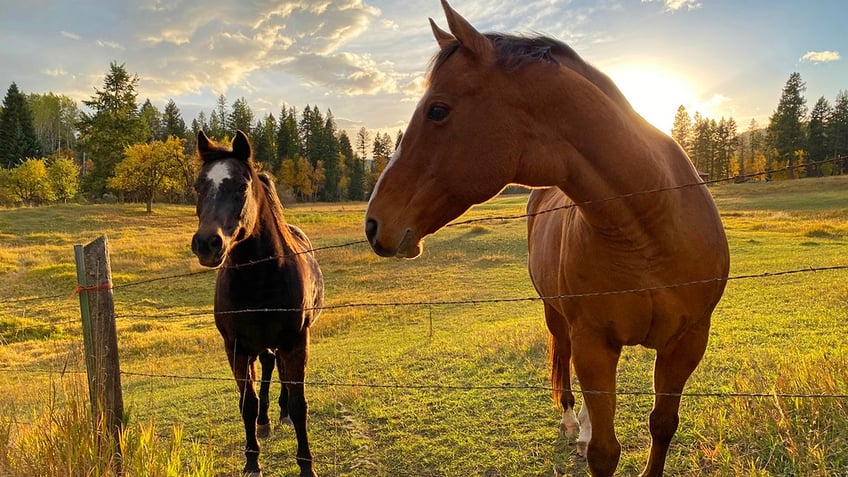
x=408, y=378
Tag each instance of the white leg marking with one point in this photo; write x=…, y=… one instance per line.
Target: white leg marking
x=568, y=426
x=585, y=430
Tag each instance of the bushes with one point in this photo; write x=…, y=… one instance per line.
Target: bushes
x=39, y=181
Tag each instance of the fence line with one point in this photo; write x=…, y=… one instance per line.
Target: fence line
x=501, y=387
x=452, y=224
x=480, y=301
x=485, y=301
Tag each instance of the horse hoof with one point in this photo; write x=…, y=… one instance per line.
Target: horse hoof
x=263, y=430
x=581, y=448
x=255, y=473
x=568, y=427
x=285, y=422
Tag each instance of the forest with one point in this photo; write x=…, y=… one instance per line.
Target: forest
x=114, y=147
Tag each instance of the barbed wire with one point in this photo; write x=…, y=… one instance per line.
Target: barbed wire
x=499, y=218
x=500, y=387
x=484, y=301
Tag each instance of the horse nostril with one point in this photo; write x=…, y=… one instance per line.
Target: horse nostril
x=371, y=229
x=215, y=242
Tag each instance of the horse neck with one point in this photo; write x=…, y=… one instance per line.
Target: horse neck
x=270, y=236
x=601, y=150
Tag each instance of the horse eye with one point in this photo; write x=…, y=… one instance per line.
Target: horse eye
x=438, y=112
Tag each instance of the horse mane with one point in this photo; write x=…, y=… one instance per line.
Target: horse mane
x=276, y=206
x=517, y=51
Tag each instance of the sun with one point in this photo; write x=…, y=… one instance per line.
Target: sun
x=655, y=93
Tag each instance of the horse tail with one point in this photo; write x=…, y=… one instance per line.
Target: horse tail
x=557, y=374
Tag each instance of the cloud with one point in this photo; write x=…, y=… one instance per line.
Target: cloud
x=821, y=56
x=69, y=35
x=674, y=5
x=110, y=44
x=219, y=45
x=351, y=74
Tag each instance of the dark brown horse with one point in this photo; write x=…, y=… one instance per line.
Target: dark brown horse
x=502, y=109
x=266, y=265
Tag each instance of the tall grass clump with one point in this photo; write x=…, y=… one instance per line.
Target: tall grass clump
x=800, y=430
x=62, y=440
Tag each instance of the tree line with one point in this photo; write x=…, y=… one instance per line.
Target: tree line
x=791, y=139
x=118, y=149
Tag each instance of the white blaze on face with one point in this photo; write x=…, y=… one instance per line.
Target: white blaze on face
x=217, y=175
x=392, y=160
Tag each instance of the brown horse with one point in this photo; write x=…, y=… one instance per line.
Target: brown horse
x=266, y=266
x=502, y=109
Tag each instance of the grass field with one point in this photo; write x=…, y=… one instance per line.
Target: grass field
x=392, y=385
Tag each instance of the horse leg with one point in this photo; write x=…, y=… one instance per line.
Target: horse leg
x=595, y=362
x=263, y=425
x=283, y=401
x=244, y=371
x=560, y=357
x=672, y=369
x=295, y=374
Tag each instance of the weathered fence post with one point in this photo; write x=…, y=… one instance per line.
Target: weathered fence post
x=97, y=309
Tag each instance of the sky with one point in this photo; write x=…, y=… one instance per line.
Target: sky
x=365, y=60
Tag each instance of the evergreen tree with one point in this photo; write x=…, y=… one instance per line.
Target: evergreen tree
x=681, y=130
x=837, y=131
x=398, y=139
x=172, y=121
x=240, y=118
x=18, y=140
x=151, y=122
x=786, y=125
x=288, y=137
x=362, y=141
x=218, y=119
x=113, y=125
x=354, y=167
x=327, y=145
x=265, y=143
x=817, y=143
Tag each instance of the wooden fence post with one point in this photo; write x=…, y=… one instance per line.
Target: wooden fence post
x=97, y=309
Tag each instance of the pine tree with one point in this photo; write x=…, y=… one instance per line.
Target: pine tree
x=681, y=130
x=837, y=131
x=288, y=138
x=113, y=124
x=265, y=143
x=172, y=121
x=18, y=140
x=786, y=125
x=817, y=143
x=151, y=122
x=240, y=118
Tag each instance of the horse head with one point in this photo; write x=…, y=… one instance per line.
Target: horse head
x=462, y=146
x=226, y=198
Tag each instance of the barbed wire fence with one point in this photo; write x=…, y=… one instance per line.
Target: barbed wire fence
x=510, y=388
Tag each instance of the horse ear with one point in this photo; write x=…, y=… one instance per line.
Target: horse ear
x=466, y=34
x=241, y=146
x=202, y=143
x=443, y=38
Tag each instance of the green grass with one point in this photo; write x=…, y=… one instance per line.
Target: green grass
x=782, y=334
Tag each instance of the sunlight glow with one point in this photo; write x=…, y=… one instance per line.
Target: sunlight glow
x=656, y=94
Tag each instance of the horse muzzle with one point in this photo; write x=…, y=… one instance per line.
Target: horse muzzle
x=409, y=246
x=209, y=248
